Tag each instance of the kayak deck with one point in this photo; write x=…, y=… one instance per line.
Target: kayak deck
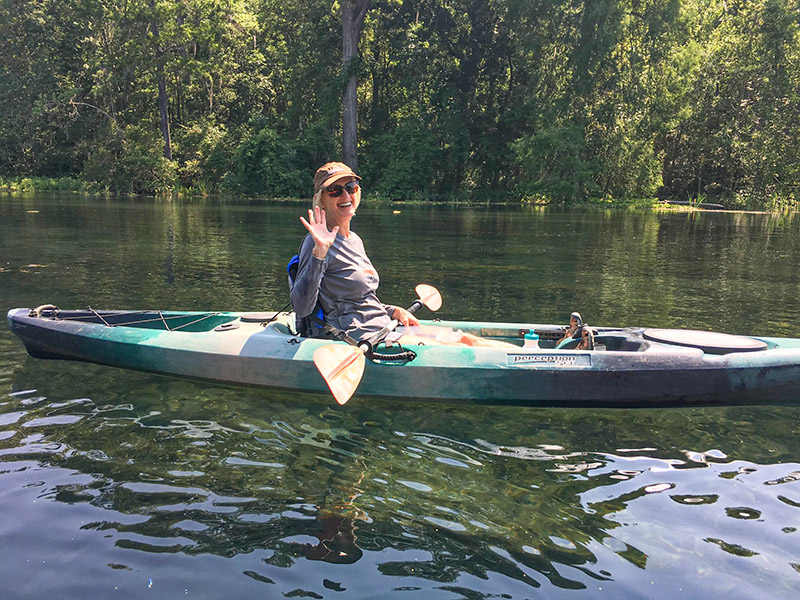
x=608, y=338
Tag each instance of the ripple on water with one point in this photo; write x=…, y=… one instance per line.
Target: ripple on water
x=446, y=524
x=743, y=512
x=237, y=461
x=695, y=499
x=50, y=421
x=416, y=485
x=10, y=418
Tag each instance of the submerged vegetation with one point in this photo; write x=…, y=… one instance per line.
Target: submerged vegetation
x=565, y=101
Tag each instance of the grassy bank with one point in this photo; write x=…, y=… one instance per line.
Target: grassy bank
x=72, y=185
x=27, y=185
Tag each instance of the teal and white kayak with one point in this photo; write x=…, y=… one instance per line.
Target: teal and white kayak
x=629, y=367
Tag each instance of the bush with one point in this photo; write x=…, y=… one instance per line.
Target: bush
x=267, y=163
x=206, y=153
x=627, y=163
x=43, y=184
x=401, y=164
x=552, y=166
x=131, y=160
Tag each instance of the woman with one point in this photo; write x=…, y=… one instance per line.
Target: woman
x=335, y=272
x=334, y=269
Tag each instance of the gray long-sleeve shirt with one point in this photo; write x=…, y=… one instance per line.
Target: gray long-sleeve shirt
x=345, y=283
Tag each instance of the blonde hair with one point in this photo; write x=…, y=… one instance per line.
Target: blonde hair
x=316, y=200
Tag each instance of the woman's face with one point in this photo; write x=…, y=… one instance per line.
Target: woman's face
x=339, y=203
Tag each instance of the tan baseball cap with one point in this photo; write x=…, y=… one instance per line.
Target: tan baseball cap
x=330, y=172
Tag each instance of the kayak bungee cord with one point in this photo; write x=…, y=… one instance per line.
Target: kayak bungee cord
x=276, y=315
x=99, y=316
x=94, y=314
x=203, y=318
x=115, y=319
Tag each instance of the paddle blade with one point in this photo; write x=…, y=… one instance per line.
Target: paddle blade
x=342, y=368
x=429, y=296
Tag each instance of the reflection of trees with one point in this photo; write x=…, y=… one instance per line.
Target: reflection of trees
x=165, y=254
x=326, y=487
x=638, y=268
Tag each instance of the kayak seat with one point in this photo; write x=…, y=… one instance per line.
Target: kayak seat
x=314, y=324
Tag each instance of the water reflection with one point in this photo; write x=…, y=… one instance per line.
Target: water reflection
x=438, y=497
x=337, y=540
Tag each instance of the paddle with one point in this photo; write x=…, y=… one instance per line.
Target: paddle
x=342, y=367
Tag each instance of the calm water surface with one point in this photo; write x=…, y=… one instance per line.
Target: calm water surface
x=117, y=484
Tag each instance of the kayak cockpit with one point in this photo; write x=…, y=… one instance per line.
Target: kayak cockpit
x=616, y=340
x=620, y=339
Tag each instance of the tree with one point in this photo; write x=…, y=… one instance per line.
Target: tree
x=738, y=137
x=353, y=13
x=162, y=84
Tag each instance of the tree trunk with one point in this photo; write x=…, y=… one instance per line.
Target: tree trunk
x=353, y=12
x=162, y=87
x=162, y=104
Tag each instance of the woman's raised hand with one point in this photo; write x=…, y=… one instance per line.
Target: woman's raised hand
x=318, y=228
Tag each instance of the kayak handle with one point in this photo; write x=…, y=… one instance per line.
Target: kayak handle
x=37, y=312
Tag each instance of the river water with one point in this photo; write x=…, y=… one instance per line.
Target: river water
x=117, y=484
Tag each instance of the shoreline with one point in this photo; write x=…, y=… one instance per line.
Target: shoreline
x=21, y=186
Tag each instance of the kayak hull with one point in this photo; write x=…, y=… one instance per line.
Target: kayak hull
x=233, y=348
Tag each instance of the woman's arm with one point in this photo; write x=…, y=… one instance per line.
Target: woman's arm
x=311, y=267
x=310, y=270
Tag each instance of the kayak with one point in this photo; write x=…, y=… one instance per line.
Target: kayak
x=627, y=366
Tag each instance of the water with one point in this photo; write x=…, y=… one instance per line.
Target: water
x=129, y=485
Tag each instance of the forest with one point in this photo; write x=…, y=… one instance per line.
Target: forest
x=547, y=101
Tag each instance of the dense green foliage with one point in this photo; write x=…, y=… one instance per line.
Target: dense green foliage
x=565, y=100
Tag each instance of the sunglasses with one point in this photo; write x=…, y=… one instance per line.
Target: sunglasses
x=335, y=190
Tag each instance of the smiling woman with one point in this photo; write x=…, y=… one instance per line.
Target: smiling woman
x=334, y=273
